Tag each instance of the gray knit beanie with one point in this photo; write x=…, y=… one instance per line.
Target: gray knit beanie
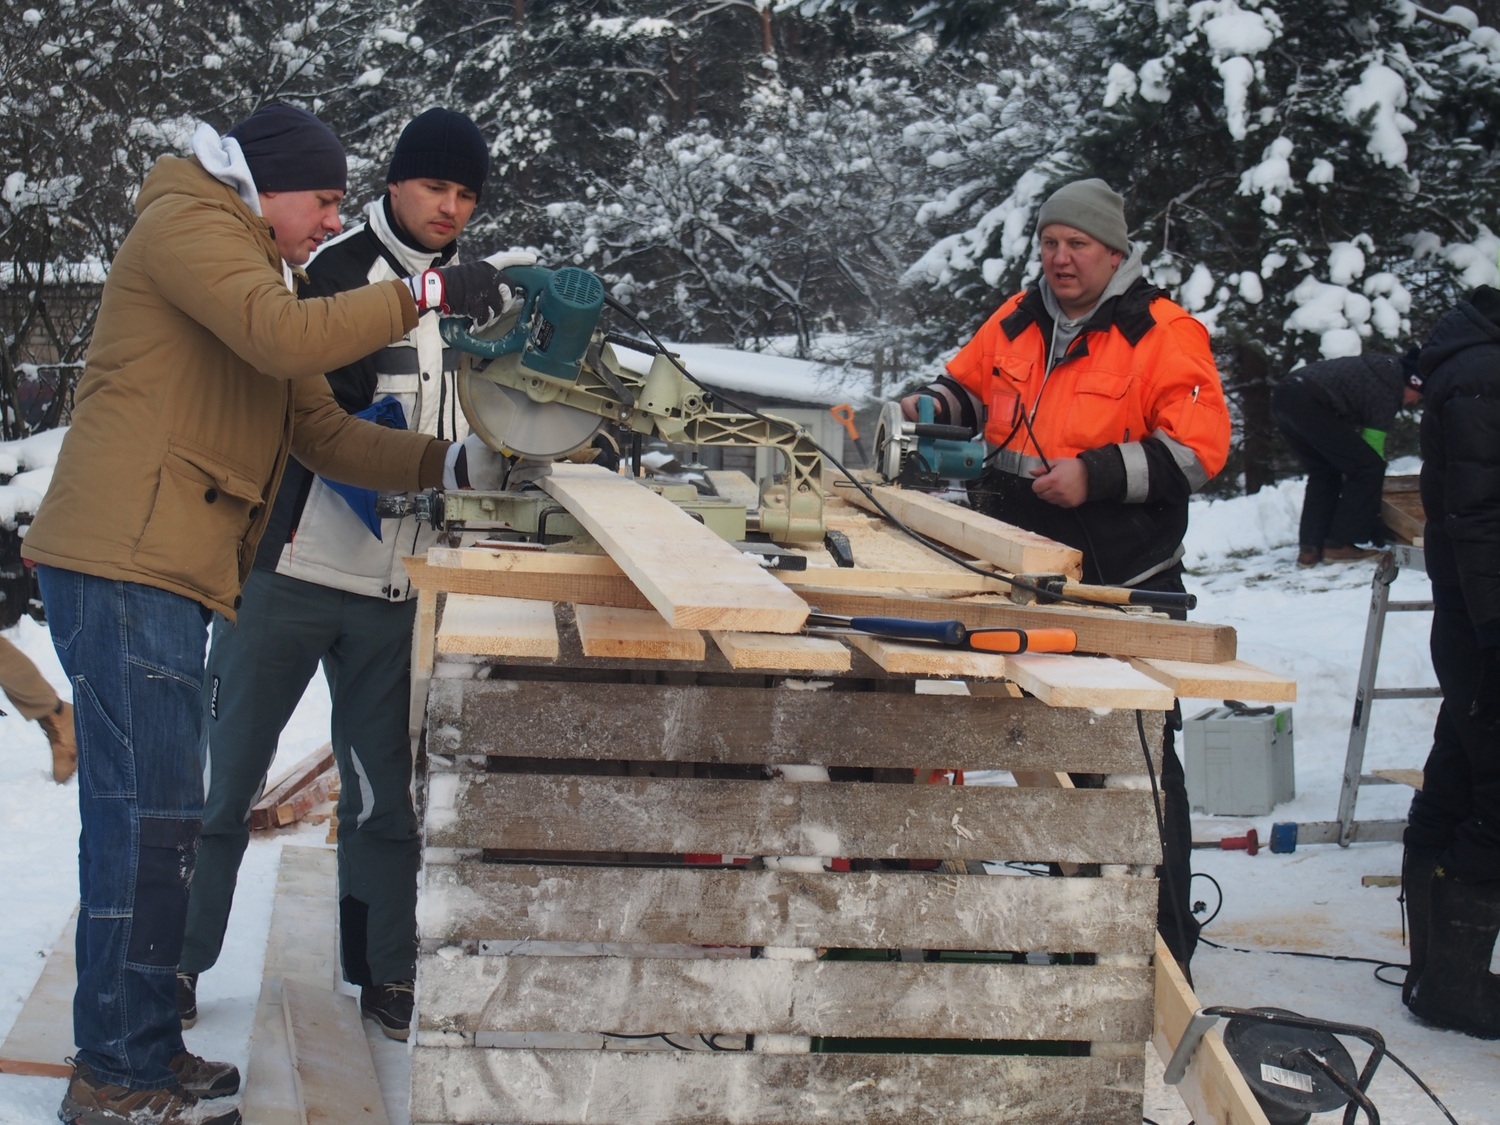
x=1091, y=206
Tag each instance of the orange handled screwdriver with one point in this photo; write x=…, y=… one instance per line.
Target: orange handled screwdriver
x=1022, y=640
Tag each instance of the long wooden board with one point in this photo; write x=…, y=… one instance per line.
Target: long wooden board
x=497, y=627
x=978, y=536
x=694, y=579
x=42, y=1035
x=519, y=718
x=674, y=816
x=588, y=580
x=560, y=1087
x=267, y=812
x=634, y=634
x=777, y=652
x=1073, y=681
x=862, y=910
x=1213, y=1089
x=515, y=575
x=336, y=1083
x=301, y=946
x=1234, y=679
x=1110, y=634
x=639, y=996
x=929, y=660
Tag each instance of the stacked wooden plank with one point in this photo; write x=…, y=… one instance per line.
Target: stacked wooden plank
x=671, y=880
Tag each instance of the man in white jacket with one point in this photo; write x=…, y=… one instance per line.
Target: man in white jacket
x=328, y=586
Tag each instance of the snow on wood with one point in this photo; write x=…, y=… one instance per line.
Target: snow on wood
x=863, y=910
x=634, y=996
x=561, y=1087
x=669, y=722
x=676, y=815
x=42, y=1036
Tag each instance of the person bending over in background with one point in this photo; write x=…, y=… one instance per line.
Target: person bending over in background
x=1335, y=416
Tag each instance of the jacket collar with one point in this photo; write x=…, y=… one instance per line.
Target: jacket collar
x=396, y=249
x=1129, y=312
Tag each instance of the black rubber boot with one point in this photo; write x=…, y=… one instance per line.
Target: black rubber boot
x=1417, y=865
x=1456, y=989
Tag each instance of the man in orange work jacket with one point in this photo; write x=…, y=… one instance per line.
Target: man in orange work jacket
x=1102, y=412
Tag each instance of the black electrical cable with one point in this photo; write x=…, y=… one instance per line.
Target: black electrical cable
x=1410, y=1073
x=1161, y=831
x=870, y=496
x=1218, y=907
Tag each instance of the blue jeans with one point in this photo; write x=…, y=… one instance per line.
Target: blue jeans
x=134, y=655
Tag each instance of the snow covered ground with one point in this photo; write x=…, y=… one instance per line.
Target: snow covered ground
x=1306, y=623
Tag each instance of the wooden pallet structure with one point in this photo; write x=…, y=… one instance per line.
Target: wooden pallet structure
x=683, y=863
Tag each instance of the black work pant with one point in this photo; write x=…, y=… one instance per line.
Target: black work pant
x=1457, y=810
x=1344, y=474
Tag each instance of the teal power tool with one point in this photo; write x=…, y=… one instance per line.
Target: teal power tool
x=923, y=454
x=556, y=323
x=541, y=380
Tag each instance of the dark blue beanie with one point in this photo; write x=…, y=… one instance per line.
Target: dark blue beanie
x=288, y=149
x=441, y=145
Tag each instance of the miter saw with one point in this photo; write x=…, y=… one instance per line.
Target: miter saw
x=543, y=380
x=924, y=454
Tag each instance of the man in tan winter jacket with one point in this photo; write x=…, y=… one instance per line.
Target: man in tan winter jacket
x=204, y=372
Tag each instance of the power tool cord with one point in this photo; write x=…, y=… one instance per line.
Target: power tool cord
x=930, y=544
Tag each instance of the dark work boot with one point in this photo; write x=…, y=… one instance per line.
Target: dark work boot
x=1417, y=865
x=187, y=999
x=389, y=1005
x=1456, y=989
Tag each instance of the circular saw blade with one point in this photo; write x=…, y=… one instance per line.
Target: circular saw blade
x=508, y=420
x=890, y=449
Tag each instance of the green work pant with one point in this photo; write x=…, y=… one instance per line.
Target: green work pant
x=257, y=672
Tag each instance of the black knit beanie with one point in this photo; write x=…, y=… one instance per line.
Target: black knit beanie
x=288, y=149
x=441, y=145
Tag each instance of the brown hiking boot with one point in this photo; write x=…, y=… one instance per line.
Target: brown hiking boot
x=1348, y=554
x=390, y=1006
x=1309, y=556
x=92, y=1101
x=59, y=728
x=205, y=1079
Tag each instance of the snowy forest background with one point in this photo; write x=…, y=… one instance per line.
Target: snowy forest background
x=855, y=180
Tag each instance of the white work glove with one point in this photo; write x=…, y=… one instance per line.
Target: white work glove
x=503, y=260
x=472, y=464
x=526, y=472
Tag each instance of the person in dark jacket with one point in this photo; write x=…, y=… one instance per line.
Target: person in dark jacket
x=1335, y=416
x=1451, y=871
x=1102, y=412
